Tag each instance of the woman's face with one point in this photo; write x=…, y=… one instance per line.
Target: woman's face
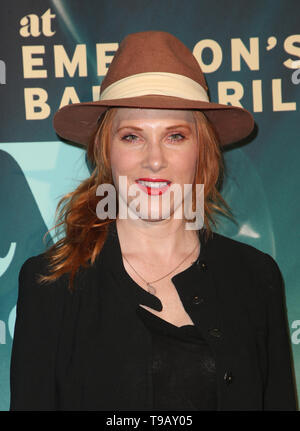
x=153, y=149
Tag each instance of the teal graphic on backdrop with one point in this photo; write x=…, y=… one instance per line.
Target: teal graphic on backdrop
x=29, y=191
x=248, y=60
x=18, y=240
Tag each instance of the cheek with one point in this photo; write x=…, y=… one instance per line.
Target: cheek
x=122, y=161
x=186, y=167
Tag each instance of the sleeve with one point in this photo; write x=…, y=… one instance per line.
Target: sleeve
x=280, y=391
x=32, y=367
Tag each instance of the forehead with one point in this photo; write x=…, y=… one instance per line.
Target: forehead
x=160, y=115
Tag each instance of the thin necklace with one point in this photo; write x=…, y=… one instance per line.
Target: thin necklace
x=151, y=289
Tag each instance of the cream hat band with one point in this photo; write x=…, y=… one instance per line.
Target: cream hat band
x=162, y=83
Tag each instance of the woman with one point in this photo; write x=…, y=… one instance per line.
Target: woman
x=143, y=312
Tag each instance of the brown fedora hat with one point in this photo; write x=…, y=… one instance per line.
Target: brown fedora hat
x=152, y=69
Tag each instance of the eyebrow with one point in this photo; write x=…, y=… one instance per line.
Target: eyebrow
x=175, y=126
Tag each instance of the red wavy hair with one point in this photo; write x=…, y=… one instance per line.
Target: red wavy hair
x=83, y=234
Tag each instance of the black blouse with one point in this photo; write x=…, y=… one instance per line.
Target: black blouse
x=183, y=367
x=89, y=350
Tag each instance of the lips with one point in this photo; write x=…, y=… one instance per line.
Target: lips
x=153, y=186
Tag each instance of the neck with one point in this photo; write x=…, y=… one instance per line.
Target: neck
x=162, y=240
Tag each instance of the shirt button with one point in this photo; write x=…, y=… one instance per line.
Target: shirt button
x=228, y=377
x=202, y=265
x=156, y=364
x=215, y=332
x=197, y=300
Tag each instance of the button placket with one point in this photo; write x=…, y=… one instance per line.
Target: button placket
x=156, y=364
x=228, y=377
x=196, y=300
x=215, y=332
x=202, y=265
x=202, y=300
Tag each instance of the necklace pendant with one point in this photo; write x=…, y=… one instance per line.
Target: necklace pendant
x=151, y=289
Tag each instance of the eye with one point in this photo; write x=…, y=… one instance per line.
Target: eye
x=176, y=135
x=129, y=137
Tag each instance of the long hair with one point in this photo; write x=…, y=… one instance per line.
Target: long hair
x=83, y=233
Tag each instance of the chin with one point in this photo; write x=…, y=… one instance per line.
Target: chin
x=155, y=215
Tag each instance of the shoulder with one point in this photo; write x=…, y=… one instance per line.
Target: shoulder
x=229, y=248
x=250, y=275
x=38, y=265
x=35, y=264
x=30, y=289
x=244, y=258
x=250, y=260
x=226, y=244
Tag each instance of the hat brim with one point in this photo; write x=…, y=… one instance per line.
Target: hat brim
x=79, y=121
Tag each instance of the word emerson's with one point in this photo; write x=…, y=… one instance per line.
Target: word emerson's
x=75, y=64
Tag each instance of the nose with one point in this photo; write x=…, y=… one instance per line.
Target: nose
x=155, y=157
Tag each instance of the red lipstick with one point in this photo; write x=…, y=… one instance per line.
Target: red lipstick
x=150, y=186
